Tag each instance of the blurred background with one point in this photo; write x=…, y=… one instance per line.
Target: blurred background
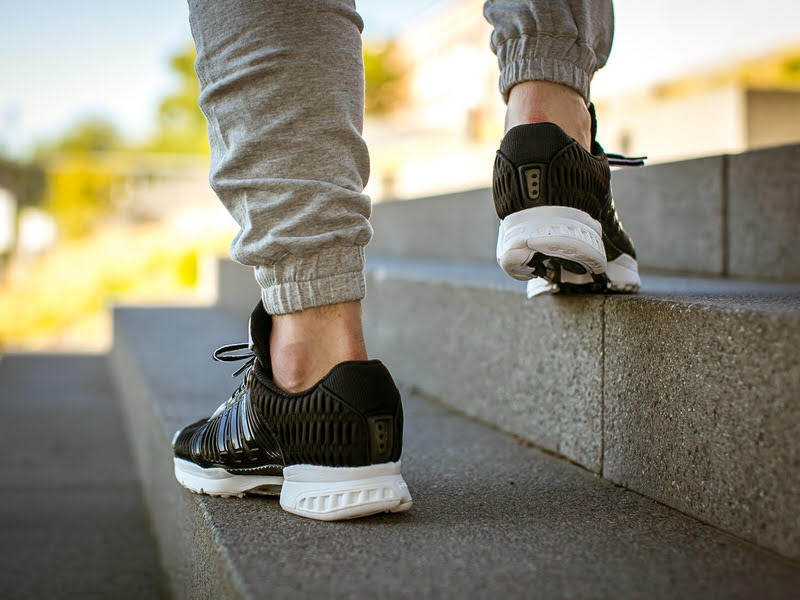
x=104, y=194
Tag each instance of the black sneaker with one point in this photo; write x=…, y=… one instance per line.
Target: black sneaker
x=559, y=227
x=332, y=451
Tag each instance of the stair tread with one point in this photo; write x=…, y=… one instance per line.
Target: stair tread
x=725, y=294
x=685, y=393
x=72, y=515
x=491, y=515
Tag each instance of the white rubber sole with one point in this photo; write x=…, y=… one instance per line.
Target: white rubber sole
x=334, y=493
x=566, y=240
x=323, y=493
x=622, y=275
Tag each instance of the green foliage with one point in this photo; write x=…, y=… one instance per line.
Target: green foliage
x=78, y=181
x=188, y=269
x=791, y=67
x=78, y=193
x=385, y=77
x=180, y=125
x=90, y=135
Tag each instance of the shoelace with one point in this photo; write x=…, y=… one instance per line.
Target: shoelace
x=618, y=160
x=222, y=354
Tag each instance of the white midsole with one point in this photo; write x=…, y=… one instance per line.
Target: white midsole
x=332, y=493
x=318, y=492
x=218, y=481
x=557, y=231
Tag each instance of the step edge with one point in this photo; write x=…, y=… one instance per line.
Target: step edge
x=120, y=359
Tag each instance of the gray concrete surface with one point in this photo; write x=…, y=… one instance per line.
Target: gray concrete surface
x=701, y=409
x=195, y=564
x=463, y=341
x=674, y=213
x=717, y=352
x=71, y=513
x=491, y=518
x=713, y=353
x=764, y=213
x=460, y=226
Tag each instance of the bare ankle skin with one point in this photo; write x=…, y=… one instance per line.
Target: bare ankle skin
x=305, y=345
x=548, y=102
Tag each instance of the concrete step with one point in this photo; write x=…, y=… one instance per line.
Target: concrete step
x=491, y=515
x=71, y=513
x=726, y=215
x=686, y=392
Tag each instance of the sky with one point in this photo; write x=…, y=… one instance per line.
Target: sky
x=60, y=60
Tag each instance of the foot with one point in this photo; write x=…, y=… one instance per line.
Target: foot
x=548, y=102
x=331, y=451
x=305, y=345
x=559, y=227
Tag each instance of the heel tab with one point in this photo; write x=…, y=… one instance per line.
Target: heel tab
x=366, y=385
x=534, y=142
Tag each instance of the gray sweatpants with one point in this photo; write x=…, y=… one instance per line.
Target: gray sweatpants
x=282, y=88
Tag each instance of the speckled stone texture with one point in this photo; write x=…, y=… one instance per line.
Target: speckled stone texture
x=165, y=379
x=463, y=333
x=491, y=517
x=532, y=369
x=460, y=226
x=702, y=412
x=764, y=214
x=674, y=213
x=72, y=520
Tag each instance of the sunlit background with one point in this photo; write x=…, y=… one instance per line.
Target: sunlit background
x=103, y=156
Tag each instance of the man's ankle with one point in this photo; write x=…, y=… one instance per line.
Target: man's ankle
x=305, y=345
x=545, y=101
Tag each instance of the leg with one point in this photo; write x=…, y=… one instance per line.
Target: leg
x=548, y=53
x=559, y=228
x=282, y=87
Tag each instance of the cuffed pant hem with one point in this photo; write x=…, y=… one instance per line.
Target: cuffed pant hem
x=309, y=283
x=561, y=60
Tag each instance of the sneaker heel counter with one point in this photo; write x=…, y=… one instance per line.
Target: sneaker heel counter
x=521, y=166
x=385, y=418
x=368, y=388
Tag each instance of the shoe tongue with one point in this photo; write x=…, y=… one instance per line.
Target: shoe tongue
x=259, y=329
x=594, y=121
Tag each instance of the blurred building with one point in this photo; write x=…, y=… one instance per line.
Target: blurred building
x=445, y=137
x=743, y=106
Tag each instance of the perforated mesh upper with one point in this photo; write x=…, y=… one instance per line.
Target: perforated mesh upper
x=333, y=423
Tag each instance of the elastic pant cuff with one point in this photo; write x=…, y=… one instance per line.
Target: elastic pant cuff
x=302, y=283
x=562, y=60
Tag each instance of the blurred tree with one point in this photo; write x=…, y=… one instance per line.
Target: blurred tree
x=79, y=192
x=89, y=135
x=78, y=175
x=385, y=76
x=25, y=181
x=180, y=126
